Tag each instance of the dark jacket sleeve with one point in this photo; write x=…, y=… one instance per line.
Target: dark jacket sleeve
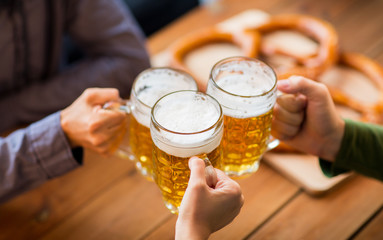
x=361, y=151
x=115, y=54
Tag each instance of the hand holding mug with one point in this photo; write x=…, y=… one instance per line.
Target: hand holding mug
x=86, y=124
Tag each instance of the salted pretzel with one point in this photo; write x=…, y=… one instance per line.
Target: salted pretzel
x=247, y=41
x=370, y=112
x=318, y=30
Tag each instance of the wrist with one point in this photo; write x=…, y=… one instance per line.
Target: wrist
x=333, y=142
x=189, y=231
x=66, y=129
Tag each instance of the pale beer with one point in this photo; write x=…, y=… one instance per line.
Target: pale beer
x=148, y=87
x=246, y=90
x=184, y=124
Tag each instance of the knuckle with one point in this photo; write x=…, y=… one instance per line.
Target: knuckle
x=88, y=92
x=322, y=87
x=96, y=141
x=103, y=150
x=115, y=92
x=119, y=117
x=242, y=200
x=197, y=187
x=94, y=126
x=236, y=191
x=299, y=80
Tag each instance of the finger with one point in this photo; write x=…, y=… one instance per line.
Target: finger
x=282, y=130
x=292, y=103
x=297, y=84
x=227, y=185
x=107, y=119
x=290, y=118
x=210, y=174
x=108, y=143
x=99, y=96
x=223, y=180
x=221, y=175
x=197, y=170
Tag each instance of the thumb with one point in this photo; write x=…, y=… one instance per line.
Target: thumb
x=297, y=84
x=197, y=170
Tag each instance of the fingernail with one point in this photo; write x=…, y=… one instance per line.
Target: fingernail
x=285, y=83
x=192, y=159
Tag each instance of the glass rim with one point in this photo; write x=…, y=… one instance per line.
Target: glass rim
x=247, y=59
x=216, y=123
x=133, y=91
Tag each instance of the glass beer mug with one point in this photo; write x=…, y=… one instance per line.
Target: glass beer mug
x=148, y=87
x=246, y=90
x=183, y=124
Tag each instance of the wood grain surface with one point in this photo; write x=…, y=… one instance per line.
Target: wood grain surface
x=108, y=199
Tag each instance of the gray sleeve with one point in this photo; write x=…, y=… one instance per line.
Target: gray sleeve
x=115, y=54
x=31, y=156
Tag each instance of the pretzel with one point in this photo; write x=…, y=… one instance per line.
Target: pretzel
x=248, y=41
x=317, y=29
x=369, y=112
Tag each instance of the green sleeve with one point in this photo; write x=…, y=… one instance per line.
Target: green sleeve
x=361, y=151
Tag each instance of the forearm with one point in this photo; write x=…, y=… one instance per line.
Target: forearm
x=33, y=155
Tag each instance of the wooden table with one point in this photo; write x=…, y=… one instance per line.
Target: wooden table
x=108, y=199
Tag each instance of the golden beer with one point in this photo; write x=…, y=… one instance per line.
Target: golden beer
x=172, y=174
x=246, y=89
x=184, y=124
x=148, y=87
x=244, y=142
x=141, y=146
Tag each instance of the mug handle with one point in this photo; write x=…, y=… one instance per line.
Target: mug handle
x=122, y=105
x=210, y=173
x=127, y=107
x=274, y=142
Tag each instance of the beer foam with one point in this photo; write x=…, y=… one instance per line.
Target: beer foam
x=248, y=88
x=153, y=84
x=191, y=116
x=244, y=85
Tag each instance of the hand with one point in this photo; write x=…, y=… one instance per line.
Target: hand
x=86, y=124
x=205, y=210
x=309, y=122
x=288, y=116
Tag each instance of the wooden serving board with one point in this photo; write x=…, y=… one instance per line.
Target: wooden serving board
x=302, y=169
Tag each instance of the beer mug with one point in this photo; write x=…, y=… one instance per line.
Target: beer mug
x=183, y=124
x=148, y=87
x=246, y=90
